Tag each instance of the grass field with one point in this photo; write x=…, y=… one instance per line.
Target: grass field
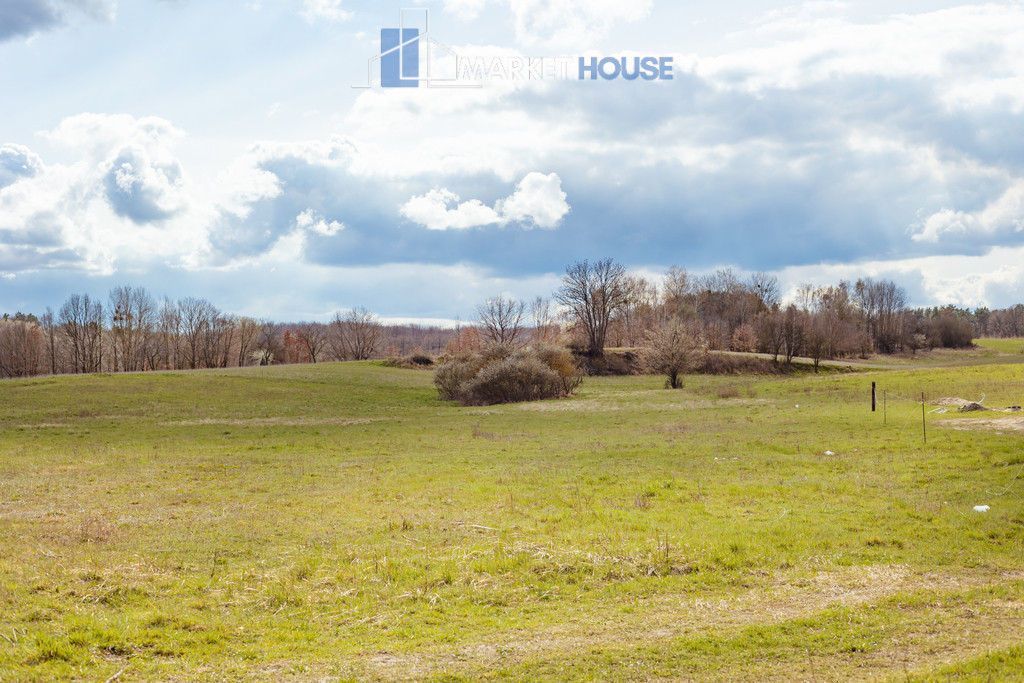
x=1010, y=346
x=339, y=522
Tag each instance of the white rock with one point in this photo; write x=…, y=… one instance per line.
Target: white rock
x=981, y=508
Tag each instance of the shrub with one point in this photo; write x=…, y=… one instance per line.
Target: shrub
x=415, y=361
x=502, y=374
x=951, y=332
x=674, y=349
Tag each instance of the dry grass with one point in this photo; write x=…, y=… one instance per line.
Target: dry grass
x=662, y=621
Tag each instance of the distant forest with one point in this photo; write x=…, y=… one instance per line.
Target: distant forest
x=131, y=330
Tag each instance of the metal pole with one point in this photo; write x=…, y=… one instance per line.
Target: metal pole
x=872, y=397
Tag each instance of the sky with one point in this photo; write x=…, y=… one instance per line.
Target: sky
x=219, y=149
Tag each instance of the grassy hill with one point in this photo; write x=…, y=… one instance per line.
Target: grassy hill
x=339, y=521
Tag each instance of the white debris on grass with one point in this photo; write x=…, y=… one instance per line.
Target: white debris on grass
x=981, y=508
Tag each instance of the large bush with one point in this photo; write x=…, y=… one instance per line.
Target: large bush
x=503, y=374
x=674, y=349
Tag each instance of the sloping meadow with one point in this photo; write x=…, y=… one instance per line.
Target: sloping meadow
x=339, y=520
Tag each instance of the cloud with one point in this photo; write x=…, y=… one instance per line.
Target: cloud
x=143, y=189
x=27, y=17
x=431, y=211
x=141, y=177
x=575, y=23
x=122, y=198
x=1005, y=214
x=311, y=221
x=325, y=9
x=17, y=162
x=465, y=10
x=538, y=201
x=816, y=43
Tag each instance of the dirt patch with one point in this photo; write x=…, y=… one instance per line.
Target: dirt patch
x=951, y=402
x=1004, y=423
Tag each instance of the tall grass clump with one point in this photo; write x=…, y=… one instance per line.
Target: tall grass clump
x=501, y=373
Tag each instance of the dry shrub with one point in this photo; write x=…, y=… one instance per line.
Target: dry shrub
x=413, y=361
x=503, y=374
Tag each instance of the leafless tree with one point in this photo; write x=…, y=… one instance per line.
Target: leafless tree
x=313, y=337
x=792, y=331
x=501, y=319
x=269, y=348
x=674, y=348
x=769, y=330
x=81, y=324
x=169, y=334
x=216, y=340
x=883, y=303
x=593, y=294
x=197, y=318
x=248, y=330
x=54, y=359
x=637, y=313
x=545, y=330
x=132, y=320
x=22, y=349
x=765, y=288
x=356, y=334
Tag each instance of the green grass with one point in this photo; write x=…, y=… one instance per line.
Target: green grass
x=338, y=520
x=1010, y=346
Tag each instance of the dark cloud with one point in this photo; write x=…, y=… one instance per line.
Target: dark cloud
x=26, y=17
x=137, y=188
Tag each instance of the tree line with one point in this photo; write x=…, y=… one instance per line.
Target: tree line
x=598, y=305
x=133, y=331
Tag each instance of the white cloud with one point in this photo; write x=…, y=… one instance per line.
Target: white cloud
x=17, y=162
x=538, y=201
x=325, y=9
x=432, y=211
x=312, y=221
x=124, y=195
x=465, y=9
x=1005, y=214
x=573, y=23
x=967, y=50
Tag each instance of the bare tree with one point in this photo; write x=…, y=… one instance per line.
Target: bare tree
x=593, y=294
x=313, y=338
x=132, y=319
x=169, y=334
x=248, y=330
x=637, y=313
x=357, y=334
x=269, y=348
x=22, y=349
x=792, y=331
x=81, y=324
x=197, y=319
x=769, y=330
x=674, y=348
x=545, y=330
x=883, y=303
x=501, y=319
x=765, y=287
x=50, y=331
